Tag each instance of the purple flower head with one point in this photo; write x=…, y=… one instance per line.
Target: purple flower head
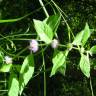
x=8, y=60
x=55, y=43
x=33, y=45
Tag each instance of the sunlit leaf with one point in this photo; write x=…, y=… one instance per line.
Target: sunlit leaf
x=44, y=31
x=93, y=50
x=6, y=68
x=85, y=65
x=78, y=38
x=86, y=34
x=59, y=61
x=26, y=72
x=13, y=85
x=82, y=37
x=53, y=21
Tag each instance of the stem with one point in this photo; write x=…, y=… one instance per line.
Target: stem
x=47, y=70
x=44, y=81
x=20, y=52
x=46, y=13
x=44, y=77
x=68, y=27
x=91, y=86
x=90, y=79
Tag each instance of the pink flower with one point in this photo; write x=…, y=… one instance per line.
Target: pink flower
x=33, y=45
x=55, y=43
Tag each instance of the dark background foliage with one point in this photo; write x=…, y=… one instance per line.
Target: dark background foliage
x=74, y=83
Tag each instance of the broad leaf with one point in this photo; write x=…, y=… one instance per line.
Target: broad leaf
x=13, y=85
x=82, y=37
x=93, y=50
x=44, y=31
x=59, y=62
x=85, y=65
x=86, y=34
x=26, y=72
x=53, y=21
x=78, y=38
x=6, y=68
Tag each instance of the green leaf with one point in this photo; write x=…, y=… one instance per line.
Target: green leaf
x=82, y=37
x=44, y=31
x=86, y=34
x=62, y=69
x=53, y=21
x=78, y=38
x=93, y=50
x=6, y=68
x=59, y=62
x=1, y=57
x=13, y=85
x=85, y=65
x=26, y=72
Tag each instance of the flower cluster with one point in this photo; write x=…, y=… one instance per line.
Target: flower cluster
x=34, y=46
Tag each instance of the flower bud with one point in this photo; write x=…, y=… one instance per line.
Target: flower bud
x=33, y=46
x=8, y=60
x=54, y=43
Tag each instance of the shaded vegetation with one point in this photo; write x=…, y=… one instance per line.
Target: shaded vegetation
x=14, y=38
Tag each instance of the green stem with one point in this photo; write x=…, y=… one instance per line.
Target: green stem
x=91, y=87
x=44, y=82
x=44, y=67
x=40, y=72
x=20, y=52
x=46, y=13
x=44, y=78
x=61, y=45
x=60, y=11
x=20, y=18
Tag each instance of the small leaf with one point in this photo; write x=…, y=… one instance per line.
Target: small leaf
x=53, y=21
x=86, y=34
x=82, y=37
x=85, y=65
x=13, y=85
x=93, y=50
x=26, y=72
x=78, y=38
x=59, y=61
x=1, y=57
x=44, y=31
x=6, y=68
